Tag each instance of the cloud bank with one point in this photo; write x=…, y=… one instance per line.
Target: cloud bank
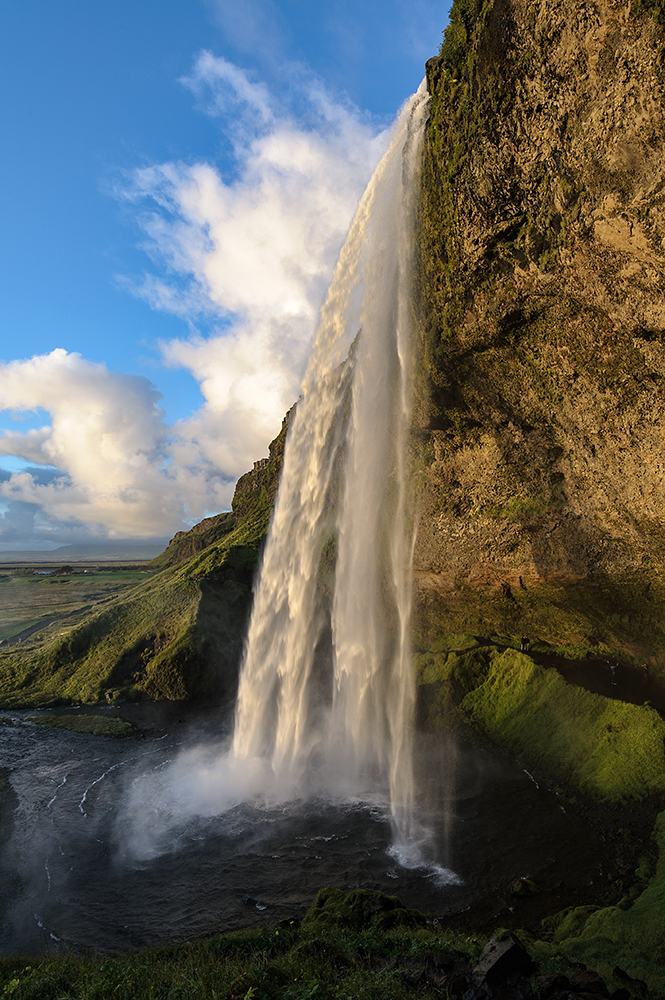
x=244, y=260
x=108, y=448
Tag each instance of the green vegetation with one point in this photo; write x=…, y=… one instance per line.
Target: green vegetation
x=354, y=955
x=97, y=725
x=185, y=544
x=456, y=38
x=176, y=635
x=609, y=617
x=333, y=910
x=609, y=749
x=519, y=509
x=30, y=599
x=629, y=935
x=459, y=109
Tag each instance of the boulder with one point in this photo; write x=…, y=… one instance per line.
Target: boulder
x=502, y=959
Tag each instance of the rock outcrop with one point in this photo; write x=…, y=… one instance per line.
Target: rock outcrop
x=257, y=488
x=540, y=424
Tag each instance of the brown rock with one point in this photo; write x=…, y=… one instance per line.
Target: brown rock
x=540, y=420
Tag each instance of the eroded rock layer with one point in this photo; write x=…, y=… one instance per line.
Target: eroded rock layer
x=540, y=424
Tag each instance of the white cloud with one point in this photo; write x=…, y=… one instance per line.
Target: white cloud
x=109, y=442
x=257, y=251
x=252, y=254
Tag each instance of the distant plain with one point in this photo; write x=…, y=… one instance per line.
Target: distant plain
x=34, y=596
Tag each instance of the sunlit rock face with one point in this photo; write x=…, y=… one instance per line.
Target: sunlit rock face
x=540, y=431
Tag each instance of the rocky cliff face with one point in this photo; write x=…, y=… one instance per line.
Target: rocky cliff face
x=540, y=424
x=255, y=489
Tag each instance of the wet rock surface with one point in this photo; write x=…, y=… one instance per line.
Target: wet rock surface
x=501, y=960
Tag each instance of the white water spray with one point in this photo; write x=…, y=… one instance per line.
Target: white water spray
x=326, y=690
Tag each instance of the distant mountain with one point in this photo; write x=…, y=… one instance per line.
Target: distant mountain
x=97, y=551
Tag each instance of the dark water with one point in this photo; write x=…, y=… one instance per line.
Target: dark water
x=70, y=876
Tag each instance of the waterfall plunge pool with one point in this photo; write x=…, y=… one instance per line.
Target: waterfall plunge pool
x=77, y=873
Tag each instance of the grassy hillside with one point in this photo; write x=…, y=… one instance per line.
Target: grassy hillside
x=177, y=635
x=360, y=944
x=608, y=749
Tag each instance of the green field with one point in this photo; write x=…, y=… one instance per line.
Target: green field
x=26, y=600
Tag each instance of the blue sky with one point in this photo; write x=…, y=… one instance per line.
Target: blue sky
x=177, y=178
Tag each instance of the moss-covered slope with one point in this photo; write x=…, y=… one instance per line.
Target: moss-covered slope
x=625, y=941
x=609, y=749
x=540, y=420
x=178, y=635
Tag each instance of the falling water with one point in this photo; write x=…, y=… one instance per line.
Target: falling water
x=326, y=690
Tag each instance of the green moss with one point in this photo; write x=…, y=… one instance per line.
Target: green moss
x=456, y=37
x=607, y=748
x=448, y=677
x=630, y=938
x=333, y=910
x=447, y=643
x=463, y=671
x=518, y=509
x=94, y=724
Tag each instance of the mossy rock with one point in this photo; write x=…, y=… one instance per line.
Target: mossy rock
x=628, y=936
x=334, y=909
x=95, y=725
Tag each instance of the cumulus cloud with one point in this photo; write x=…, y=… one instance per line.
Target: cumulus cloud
x=247, y=256
x=253, y=254
x=108, y=440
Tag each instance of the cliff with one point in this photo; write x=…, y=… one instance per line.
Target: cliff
x=540, y=420
x=255, y=489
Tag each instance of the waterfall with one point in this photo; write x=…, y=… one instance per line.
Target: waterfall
x=326, y=691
